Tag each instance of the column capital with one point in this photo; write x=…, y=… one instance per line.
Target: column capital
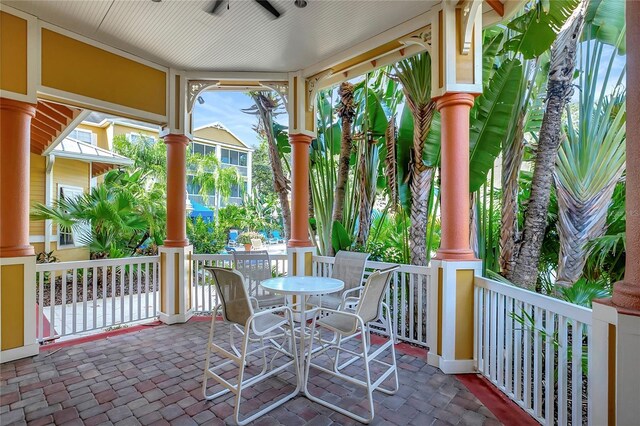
x=18, y=106
x=454, y=99
x=300, y=138
x=174, y=138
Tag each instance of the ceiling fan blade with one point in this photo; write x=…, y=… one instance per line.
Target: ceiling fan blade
x=269, y=7
x=216, y=6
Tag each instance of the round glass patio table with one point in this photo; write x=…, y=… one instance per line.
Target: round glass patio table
x=302, y=288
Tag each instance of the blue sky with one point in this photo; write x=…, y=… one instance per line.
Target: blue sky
x=226, y=107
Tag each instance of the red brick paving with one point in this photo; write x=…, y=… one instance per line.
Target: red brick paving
x=154, y=375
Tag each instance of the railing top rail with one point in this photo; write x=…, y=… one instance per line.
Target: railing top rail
x=560, y=307
x=44, y=267
x=379, y=265
x=230, y=256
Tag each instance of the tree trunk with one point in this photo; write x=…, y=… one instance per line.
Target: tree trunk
x=367, y=194
x=346, y=111
x=391, y=161
x=265, y=106
x=512, y=157
x=420, y=181
x=559, y=91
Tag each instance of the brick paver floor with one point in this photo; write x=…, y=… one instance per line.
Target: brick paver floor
x=154, y=376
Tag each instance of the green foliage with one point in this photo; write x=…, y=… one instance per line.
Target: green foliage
x=537, y=28
x=340, y=238
x=206, y=237
x=583, y=292
x=246, y=237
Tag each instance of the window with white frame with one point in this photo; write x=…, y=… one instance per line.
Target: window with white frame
x=82, y=136
x=139, y=137
x=67, y=237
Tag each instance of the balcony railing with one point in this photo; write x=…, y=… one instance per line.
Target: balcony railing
x=77, y=297
x=534, y=349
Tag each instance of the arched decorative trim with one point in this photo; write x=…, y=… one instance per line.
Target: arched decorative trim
x=312, y=87
x=195, y=87
x=280, y=87
x=470, y=10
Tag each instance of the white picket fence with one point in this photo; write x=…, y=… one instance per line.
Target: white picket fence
x=203, y=296
x=94, y=294
x=534, y=349
x=406, y=297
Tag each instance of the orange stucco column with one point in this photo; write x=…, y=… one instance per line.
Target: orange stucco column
x=454, y=205
x=15, y=134
x=626, y=294
x=299, y=191
x=176, y=190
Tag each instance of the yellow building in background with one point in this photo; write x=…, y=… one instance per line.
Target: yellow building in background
x=77, y=160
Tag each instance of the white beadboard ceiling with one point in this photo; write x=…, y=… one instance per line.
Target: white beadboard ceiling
x=180, y=33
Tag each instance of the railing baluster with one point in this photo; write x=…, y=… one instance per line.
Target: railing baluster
x=517, y=358
x=537, y=364
x=562, y=370
x=52, y=304
x=576, y=373
x=41, y=306
x=74, y=299
x=94, y=296
x=139, y=282
x=85, y=271
x=549, y=374
x=509, y=345
x=500, y=341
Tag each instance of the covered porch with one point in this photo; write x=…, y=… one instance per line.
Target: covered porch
x=464, y=323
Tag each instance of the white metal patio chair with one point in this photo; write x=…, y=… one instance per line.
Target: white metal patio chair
x=346, y=325
x=255, y=267
x=349, y=268
x=259, y=330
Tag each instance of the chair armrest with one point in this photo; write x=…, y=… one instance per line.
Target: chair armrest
x=285, y=309
x=351, y=290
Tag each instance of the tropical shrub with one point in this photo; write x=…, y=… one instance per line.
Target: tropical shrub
x=246, y=237
x=206, y=237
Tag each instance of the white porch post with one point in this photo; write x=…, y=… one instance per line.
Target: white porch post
x=176, y=273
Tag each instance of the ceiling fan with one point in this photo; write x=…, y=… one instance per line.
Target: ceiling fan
x=264, y=3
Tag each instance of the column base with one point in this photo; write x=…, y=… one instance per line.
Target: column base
x=455, y=254
x=614, y=376
x=626, y=295
x=451, y=322
x=19, y=353
x=18, y=308
x=176, y=243
x=299, y=243
x=300, y=260
x=176, y=318
x=19, y=251
x=456, y=366
x=176, y=284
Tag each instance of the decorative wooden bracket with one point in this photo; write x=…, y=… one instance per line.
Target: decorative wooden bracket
x=423, y=39
x=470, y=10
x=312, y=87
x=280, y=87
x=195, y=87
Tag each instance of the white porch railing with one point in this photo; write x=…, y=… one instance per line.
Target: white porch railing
x=88, y=295
x=203, y=296
x=534, y=349
x=406, y=297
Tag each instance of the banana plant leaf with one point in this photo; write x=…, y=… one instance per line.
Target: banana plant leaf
x=340, y=239
x=537, y=29
x=605, y=21
x=494, y=110
x=403, y=155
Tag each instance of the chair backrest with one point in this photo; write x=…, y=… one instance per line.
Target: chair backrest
x=276, y=234
x=236, y=306
x=255, y=267
x=374, y=290
x=256, y=243
x=233, y=235
x=349, y=267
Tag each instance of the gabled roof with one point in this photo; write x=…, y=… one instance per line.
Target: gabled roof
x=101, y=160
x=217, y=132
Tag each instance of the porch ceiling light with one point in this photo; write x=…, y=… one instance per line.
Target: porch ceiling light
x=300, y=3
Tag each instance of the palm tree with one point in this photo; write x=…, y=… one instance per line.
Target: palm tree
x=590, y=162
x=265, y=106
x=346, y=111
x=415, y=75
x=559, y=91
x=210, y=176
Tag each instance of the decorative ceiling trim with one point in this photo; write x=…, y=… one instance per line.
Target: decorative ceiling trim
x=313, y=86
x=469, y=12
x=195, y=87
x=280, y=87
